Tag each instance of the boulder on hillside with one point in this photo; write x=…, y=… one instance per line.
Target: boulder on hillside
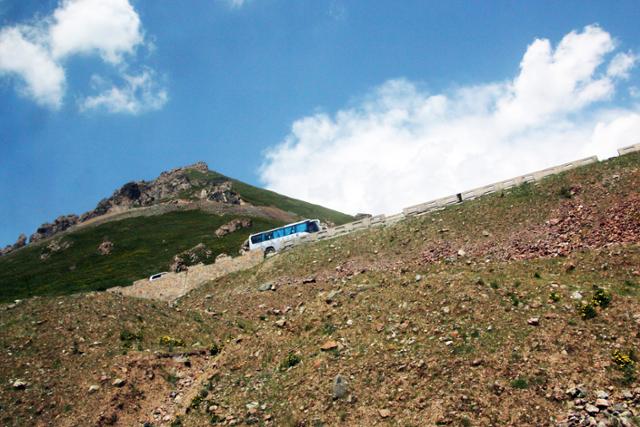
x=105, y=247
x=232, y=226
x=198, y=254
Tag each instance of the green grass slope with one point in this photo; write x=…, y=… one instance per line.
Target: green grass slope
x=261, y=197
x=142, y=246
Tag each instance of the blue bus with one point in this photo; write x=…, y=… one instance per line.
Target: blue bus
x=273, y=240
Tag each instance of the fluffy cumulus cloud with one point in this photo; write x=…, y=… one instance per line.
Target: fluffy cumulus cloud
x=400, y=145
x=34, y=55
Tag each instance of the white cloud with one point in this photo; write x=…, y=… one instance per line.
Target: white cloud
x=111, y=29
x=44, y=79
x=139, y=94
x=621, y=65
x=401, y=146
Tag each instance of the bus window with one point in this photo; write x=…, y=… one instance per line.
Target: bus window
x=301, y=228
x=312, y=227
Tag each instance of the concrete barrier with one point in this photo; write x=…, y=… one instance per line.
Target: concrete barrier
x=392, y=219
x=630, y=149
x=443, y=202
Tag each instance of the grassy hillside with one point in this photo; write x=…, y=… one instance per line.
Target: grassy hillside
x=516, y=309
x=142, y=246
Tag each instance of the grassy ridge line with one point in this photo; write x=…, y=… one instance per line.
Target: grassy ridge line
x=261, y=197
x=142, y=246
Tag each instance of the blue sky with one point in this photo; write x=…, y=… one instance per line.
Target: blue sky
x=358, y=105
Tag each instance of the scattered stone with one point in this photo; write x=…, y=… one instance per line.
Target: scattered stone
x=485, y=233
x=329, y=345
x=281, y=323
x=461, y=253
x=534, y=321
x=576, y=392
x=569, y=266
x=576, y=295
x=331, y=296
x=265, y=287
x=93, y=388
x=339, y=387
x=418, y=277
x=476, y=362
x=602, y=403
x=384, y=413
x=182, y=360
x=446, y=310
x=118, y=382
x=591, y=409
x=19, y=384
x=310, y=279
x=601, y=394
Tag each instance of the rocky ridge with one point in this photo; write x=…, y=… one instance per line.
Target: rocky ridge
x=180, y=185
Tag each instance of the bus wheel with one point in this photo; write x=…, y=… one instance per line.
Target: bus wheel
x=269, y=251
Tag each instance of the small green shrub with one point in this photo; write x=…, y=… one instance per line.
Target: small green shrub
x=494, y=284
x=328, y=328
x=214, y=349
x=554, y=297
x=586, y=310
x=520, y=383
x=537, y=275
x=601, y=297
x=566, y=193
x=626, y=362
x=128, y=338
x=515, y=301
x=290, y=361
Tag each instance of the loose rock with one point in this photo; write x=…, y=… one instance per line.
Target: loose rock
x=339, y=387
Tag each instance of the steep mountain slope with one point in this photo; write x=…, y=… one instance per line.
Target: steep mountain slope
x=140, y=228
x=520, y=308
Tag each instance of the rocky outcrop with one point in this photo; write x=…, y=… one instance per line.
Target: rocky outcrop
x=198, y=254
x=232, y=226
x=22, y=241
x=190, y=183
x=60, y=224
x=57, y=245
x=187, y=183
